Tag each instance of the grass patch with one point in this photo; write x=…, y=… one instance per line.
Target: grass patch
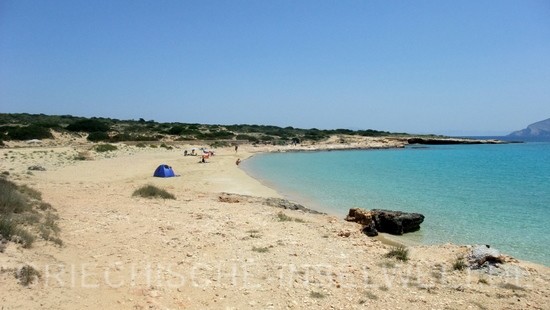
x=84, y=155
x=386, y=264
x=282, y=217
x=11, y=199
x=371, y=296
x=459, y=264
x=260, y=249
x=400, y=253
x=24, y=216
x=27, y=275
x=482, y=281
x=151, y=191
x=313, y=294
x=30, y=192
x=511, y=286
x=105, y=148
x=254, y=233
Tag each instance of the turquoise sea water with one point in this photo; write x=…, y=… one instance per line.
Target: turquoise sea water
x=470, y=194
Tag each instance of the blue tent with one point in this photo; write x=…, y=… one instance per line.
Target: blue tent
x=164, y=171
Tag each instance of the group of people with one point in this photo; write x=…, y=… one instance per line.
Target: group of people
x=206, y=154
x=203, y=157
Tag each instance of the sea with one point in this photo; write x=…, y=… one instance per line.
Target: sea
x=469, y=194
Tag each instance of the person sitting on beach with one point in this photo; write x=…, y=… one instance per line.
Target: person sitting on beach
x=238, y=161
x=185, y=153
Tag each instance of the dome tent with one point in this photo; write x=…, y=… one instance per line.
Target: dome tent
x=164, y=171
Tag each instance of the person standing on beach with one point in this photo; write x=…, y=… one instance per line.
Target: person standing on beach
x=238, y=161
x=236, y=148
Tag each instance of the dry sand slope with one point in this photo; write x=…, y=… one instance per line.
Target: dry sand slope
x=196, y=252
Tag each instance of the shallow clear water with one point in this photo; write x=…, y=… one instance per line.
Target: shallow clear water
x=470, y=194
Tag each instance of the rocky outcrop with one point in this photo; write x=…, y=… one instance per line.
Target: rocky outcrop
x=272, y=202
x=36, y=168
x=396, y=222
x=363, y=217
x=392, y=222
x=445, y=141
x=483, y=256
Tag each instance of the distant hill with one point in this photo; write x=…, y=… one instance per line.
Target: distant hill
x=539, y=131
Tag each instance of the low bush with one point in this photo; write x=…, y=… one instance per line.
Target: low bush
x=400, y=253
x=260, y=249
x=27, y=275
x=98, y=136
x=105, y=148
x=23, y=213
x=11, y=199
x=282, y=217
x=151, y=191
x=26, y=132
x=88, y=125
x=459, y=264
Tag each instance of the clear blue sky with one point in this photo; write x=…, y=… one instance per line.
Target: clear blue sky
x=448, y=67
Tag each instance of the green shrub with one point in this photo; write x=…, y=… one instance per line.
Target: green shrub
x=22, y=211
x=400, y=253
x=26, y=132
x=260, y=250
x=282, y=217
x=316, y=295
x=249, y=138
x=27, y=275
x=217, y=144
x=30, y=192
x=7, y=227
x=105, y=148
x=151, y=191
x=88, y=125
x=23, y=236
x=98, y=136
x=11, y=200
x=141, y=145
x=459, y=264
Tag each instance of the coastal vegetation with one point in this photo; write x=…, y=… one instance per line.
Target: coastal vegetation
x=151, y=191
x=400, y=253
x=27, y=275
x=24, y=217
x=24, y=126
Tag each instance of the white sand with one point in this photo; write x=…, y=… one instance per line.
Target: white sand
x=195, y=252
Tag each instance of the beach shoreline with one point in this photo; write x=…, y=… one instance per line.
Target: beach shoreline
x=199, y=251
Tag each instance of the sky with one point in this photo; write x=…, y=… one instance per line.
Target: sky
x=446, y=67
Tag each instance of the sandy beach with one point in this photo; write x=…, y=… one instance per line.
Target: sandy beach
x=198, y=252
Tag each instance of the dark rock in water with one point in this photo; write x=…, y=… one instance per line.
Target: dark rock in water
x=396, y=222
x=392, y=222
x=450, y=141
x=370, y=230
x=363, y=217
